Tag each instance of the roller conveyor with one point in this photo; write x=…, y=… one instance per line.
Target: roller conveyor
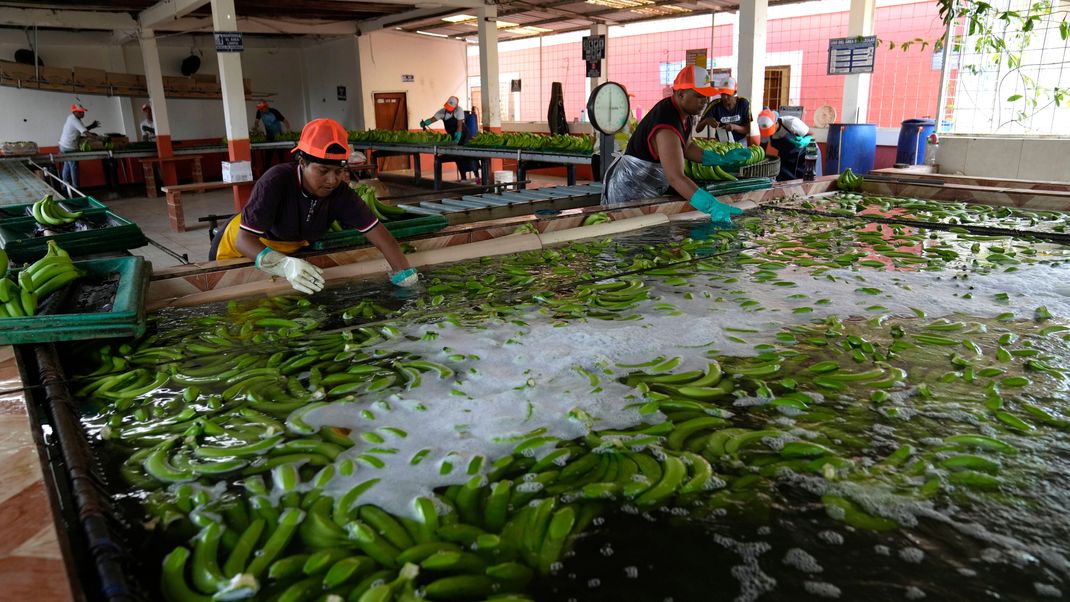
x=18, y=185
x=504, y=199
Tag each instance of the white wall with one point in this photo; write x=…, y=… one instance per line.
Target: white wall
x=439, y=68
x=38, y=115
x=274, y=65
x=327, y=65
x=1036, y=158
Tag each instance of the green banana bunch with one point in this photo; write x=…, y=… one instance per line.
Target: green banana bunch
x=597, y=218
x=400, y=137
x=566, y=143
x=3, y=262
x=382, y=211
x=44, y=276
x=849, y=182
x=48, y=212
x=757, y=152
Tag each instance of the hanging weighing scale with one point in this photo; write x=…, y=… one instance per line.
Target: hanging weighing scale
x=609, y=109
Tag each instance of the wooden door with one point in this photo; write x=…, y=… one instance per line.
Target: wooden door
x=391, y=113
x=777, y=83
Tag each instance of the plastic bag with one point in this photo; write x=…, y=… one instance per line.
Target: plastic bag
x=630, y=178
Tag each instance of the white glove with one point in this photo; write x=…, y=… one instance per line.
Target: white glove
x=303, y=276
x=405, y=278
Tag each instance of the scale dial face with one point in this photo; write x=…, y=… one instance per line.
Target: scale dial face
x=608, y=107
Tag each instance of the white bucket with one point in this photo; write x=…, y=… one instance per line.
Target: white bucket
x=501, y=177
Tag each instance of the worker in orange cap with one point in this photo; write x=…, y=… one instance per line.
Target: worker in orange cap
x=654, y=159
x=273, y=123
x=452, y=118
x=728, y=112
x=73, y=128
x=295, y=203
x=789, y=136
x=148, y=126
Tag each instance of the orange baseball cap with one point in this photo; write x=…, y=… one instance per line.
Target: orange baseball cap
x=317, y=138
x=262, y=105
x=726, y=84
x=767, y=122
x=77, y=108
x=694, y=78
x=146, y=107
x=451, y=103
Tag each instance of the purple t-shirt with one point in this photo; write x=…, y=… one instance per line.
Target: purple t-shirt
x=280, y=210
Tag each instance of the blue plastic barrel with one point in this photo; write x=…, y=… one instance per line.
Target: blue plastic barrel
x=471, y=123
x=911, y=147
x=851, y=145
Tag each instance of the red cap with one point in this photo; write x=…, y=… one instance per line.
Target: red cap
x=77, y=108
x=694, y=78
x=146, y=107
x=451, y=103
x=260, y=106
x=318, y=135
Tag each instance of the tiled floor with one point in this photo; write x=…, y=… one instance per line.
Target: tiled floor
x=31, y=565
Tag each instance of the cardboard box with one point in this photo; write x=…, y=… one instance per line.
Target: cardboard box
x=237, y=171
x=178, y=85
x=127, y=84
x=16, y=71
x=58, y=76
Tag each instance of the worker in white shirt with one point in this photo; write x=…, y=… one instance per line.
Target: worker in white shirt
x=789, y=136
x=148, y=126
x=73, y=128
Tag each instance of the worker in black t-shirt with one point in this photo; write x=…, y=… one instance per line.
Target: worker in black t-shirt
x=654, y=158
x=295, y=203
x=728, y=112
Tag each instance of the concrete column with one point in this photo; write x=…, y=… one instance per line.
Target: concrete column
x=488, y=67
x=150, y=56
x=713, y=39
x=856, y=87
x=752, y=35
x=230, y=80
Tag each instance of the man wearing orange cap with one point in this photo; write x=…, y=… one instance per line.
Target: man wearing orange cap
x=148, y=126
x=653, y=161
x=728, y=112
x=295, y=203
x=73, y=128
x=452, y=118
x=789, y=136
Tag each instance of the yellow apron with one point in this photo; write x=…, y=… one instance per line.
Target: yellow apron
x=228, y=243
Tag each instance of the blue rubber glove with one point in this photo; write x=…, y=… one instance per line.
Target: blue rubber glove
x=718, y=211
x=732, y=157
x=802, y=141
x=404, y=278
x=457, y=137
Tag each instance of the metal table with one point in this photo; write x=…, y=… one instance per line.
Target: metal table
x=19, y=186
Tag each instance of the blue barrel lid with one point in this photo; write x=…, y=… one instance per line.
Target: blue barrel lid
x=913, y=123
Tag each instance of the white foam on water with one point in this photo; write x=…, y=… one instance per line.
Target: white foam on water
x=1047, y=590
x=525, y=378
x=914, y=593
x=830, y=537
x=912, y=555
x=821, y=588
x=801, y=560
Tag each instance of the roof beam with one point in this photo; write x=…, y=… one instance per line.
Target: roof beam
x=419, y=14
x=65, y=19
x=167, y=10
x=265, y=25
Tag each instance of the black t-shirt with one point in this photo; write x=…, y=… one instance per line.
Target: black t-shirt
x=739, y=115
x=279, y=209
x=664, y=115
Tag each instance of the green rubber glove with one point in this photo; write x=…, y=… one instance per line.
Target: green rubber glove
x=719, y=212
x=802, y=141
x=425, y=123
x=732, y=157
x=457, y=137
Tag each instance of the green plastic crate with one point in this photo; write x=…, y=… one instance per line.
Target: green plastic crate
x=125, y=318
x=17, y=239
x=86, y=204
x=402, y=228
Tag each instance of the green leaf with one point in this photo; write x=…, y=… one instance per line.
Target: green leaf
x=1014, y=98
x=1064, y=30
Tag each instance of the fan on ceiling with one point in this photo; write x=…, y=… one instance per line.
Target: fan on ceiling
x=192, y=63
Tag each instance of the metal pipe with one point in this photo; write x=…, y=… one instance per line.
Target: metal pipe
x=945, y=72
x=92, y=503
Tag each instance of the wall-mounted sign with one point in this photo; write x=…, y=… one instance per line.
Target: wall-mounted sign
x=848, y=56
x=514, y=85
x=696, y=57
x=594, y=48
x=594, y=69
x=341, y=92
x=791, y=110
x=228, y=41
x=407, y=78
